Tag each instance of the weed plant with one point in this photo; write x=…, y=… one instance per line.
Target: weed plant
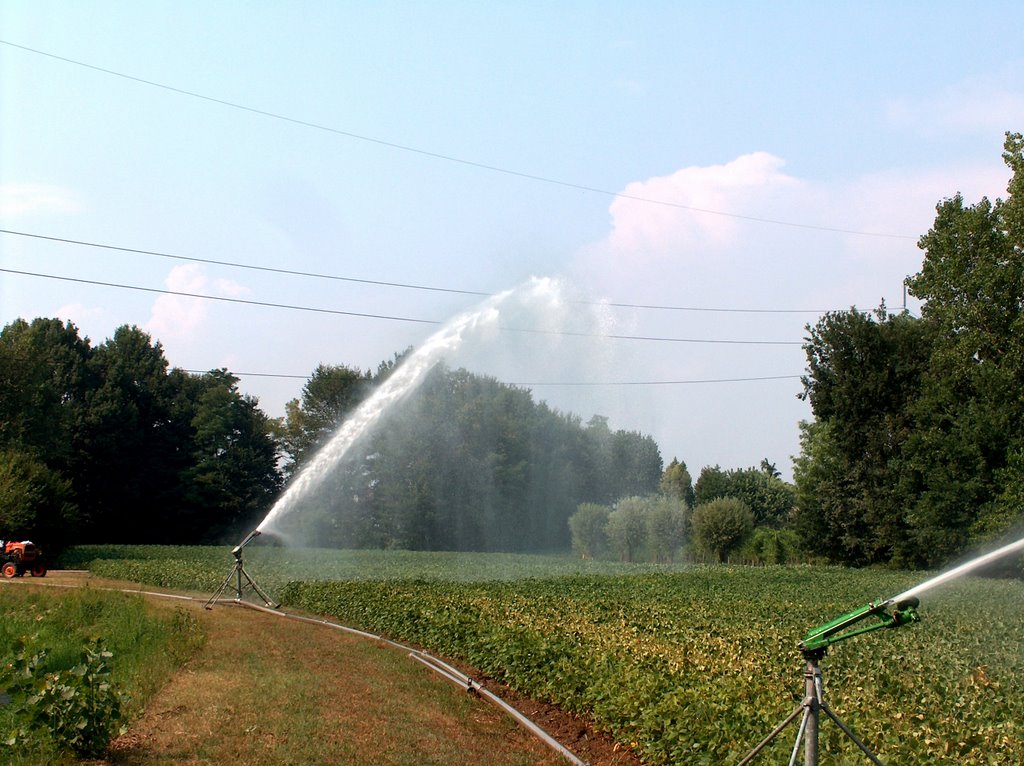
x=60, y=651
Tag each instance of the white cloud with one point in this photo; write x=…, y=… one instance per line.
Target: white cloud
x=692, y=202
x=18, y=200
x=178, y=317
x=683, y=257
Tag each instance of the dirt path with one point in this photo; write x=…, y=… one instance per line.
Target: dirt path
x=266, y=691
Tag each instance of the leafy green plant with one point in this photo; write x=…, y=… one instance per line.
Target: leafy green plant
x=77, y=709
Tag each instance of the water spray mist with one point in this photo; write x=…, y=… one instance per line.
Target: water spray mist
x=403, y=380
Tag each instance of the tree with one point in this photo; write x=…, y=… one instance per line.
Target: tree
x=722, y=525
x=620, y=463
x=636, y=464
x=919, y=422
x=43, y=383
x=35, y=502
x=770, y=498
x=331, y=393
x=667, y=527
x=970, y=414
x=233, y=476
x=627, y=528
x=588, y=527
x=133, y=447
x=864, y=375
x=676, y=482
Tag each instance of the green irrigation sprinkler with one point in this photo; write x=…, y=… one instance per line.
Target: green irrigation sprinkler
x=886, y=614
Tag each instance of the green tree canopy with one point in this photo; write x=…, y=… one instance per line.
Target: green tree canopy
x=721, y=525
x=769, y=498
x=918, y=440
x=44, y=378
x=331, y=393
x=35, y=502
x=627, y=528
x=588, y=527
x=970, y=413
x=146, y=453
x=233, y=477
x=676, y=482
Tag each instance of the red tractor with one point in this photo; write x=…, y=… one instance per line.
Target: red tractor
x=17, y=558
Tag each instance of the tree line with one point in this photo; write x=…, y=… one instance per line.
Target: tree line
x=464, y=463
x=108, y=443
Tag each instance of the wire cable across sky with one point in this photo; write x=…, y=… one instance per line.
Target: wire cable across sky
x=392, y=318
x=448, y=157
x=564, y=383
x=403, y=285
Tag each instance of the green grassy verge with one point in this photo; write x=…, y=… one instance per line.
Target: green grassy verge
x=147, y=643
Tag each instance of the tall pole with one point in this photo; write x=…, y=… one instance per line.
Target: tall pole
x=812, y=686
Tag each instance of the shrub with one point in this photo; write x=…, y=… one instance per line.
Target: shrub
x=721, y=525
x=627, y=528
x=77, y=709
x=667, y=522
x=35, y=502
x=772, y=546
x=588, y=529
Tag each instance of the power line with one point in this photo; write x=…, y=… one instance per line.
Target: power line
x=237, y=265
x=662, y=382
x=452, y=158
x=294, y=307
x=251, y=374
x=222, y=298
x=403, y=285
x=554, y=383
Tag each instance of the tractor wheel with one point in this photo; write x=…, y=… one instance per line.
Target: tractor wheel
x=10, y=569
x=39, y=569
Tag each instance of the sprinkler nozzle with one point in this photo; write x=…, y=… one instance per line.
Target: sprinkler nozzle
x=237, y=550
x=890, y=614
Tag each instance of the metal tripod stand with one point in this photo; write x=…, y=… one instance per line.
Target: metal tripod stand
x=811, y=706
x=237, y=575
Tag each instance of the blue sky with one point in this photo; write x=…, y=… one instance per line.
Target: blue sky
x=430, y=127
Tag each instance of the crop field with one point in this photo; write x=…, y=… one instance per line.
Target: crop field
x=686, y=665
x=203, y=568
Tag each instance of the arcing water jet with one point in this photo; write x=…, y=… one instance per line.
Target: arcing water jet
x=544, y=293
x=961, y=570
x=409, y=374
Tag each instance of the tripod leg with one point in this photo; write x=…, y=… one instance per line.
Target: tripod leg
x=259, y=591
x=774, y=733
x=801, y=733
x=849, y=733
x=223, y=587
